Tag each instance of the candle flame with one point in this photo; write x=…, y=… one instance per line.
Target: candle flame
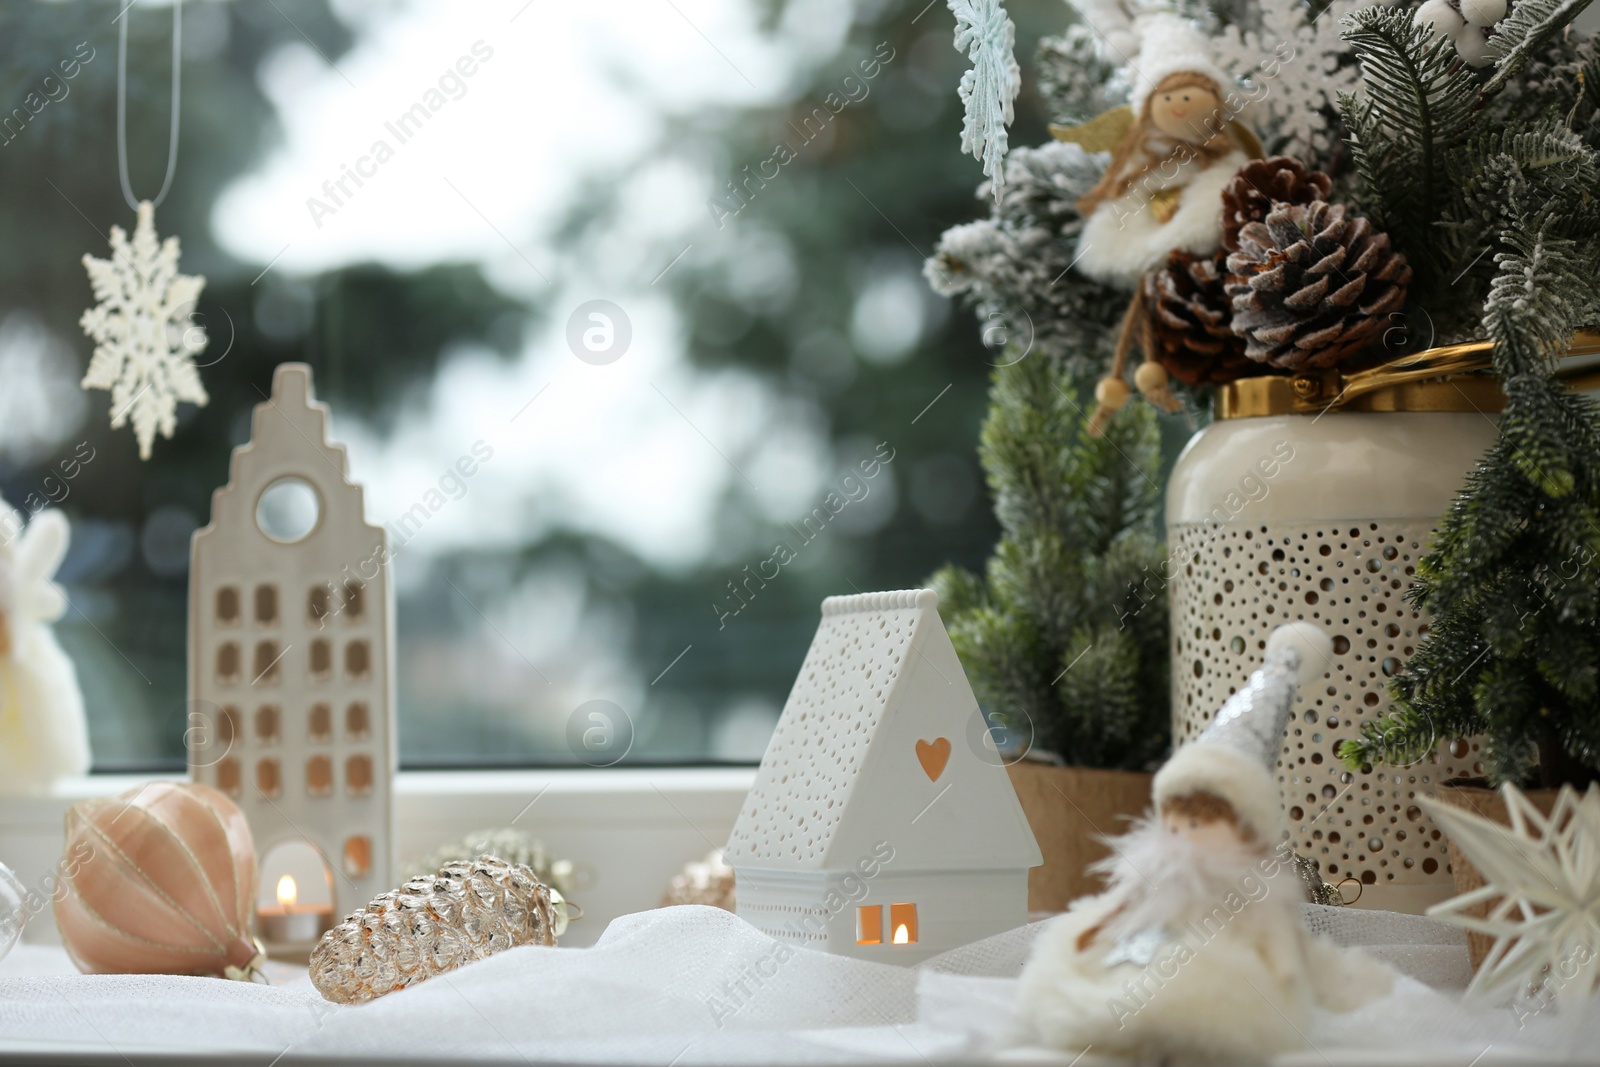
x=287, y=891
x=902, y=936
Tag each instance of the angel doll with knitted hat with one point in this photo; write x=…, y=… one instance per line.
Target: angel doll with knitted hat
x=1196, y=952
x=42, y=732
x=1174, y=149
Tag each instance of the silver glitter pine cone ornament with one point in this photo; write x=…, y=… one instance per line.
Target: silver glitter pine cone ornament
x=469, y=910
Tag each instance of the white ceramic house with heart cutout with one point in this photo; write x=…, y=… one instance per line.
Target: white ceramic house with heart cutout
x=882, y=823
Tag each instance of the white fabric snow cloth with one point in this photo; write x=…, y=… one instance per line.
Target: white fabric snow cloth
x=694, y=985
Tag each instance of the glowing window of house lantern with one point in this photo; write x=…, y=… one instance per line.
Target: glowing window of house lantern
x=288, y=892
x=869, y=925
x=903, y=921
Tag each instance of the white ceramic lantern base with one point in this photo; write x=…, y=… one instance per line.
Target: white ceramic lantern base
x=1276, y=519
x=1347, y=579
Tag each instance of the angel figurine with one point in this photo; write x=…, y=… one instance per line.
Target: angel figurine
x=1197, y=950
x=43, y=736
x=1174, y=149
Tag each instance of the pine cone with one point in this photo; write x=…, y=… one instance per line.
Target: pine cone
x=1261, y=185
x=469, y=910
x=708, y=881
x=507, y=844
x=1312, y=287
x=1189, y=319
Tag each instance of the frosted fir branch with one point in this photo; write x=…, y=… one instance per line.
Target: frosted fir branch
x=1523, y=31
x=985, y=33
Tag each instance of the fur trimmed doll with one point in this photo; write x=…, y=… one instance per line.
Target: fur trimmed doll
x=1162, y=191
x=1196, y=951
x=1174, y=149
x=42, y=732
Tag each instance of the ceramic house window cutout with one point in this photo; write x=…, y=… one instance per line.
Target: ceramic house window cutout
x=355, y=603
x=869, y=924
x=320, y=723
x=881, y=825
x=319, y=604
x=287, y=541
x=903, y=924
x=266, y=605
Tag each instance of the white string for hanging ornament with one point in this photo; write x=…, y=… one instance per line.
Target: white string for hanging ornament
x=122, y=104
x=145, y=343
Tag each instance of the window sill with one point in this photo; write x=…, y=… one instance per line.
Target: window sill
x=627, y=831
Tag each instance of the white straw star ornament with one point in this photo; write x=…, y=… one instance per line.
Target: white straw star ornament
x=1543, y=888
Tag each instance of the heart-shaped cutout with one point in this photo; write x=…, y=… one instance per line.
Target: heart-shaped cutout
x=933, y=755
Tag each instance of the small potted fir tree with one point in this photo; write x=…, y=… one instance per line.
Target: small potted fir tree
x=1064, y=637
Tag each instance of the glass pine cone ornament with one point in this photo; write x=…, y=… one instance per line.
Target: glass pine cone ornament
x=507, y=844
x=709, y=881
x=468, y=911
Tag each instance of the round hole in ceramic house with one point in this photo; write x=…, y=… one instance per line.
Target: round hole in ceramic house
x=289, y=510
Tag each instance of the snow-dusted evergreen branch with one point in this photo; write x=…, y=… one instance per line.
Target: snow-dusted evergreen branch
x=1529, y=25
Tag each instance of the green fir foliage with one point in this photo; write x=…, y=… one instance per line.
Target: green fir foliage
x=1065, y=635
x=1499, y=216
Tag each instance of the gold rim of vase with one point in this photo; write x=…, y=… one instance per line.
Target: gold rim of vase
x=1450, y=378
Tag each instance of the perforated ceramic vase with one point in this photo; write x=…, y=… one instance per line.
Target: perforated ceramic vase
x=1285, y=509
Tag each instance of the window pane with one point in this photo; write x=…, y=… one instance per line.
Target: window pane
x=629, y=392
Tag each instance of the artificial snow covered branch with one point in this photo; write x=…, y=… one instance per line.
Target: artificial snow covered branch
x=1527, y=27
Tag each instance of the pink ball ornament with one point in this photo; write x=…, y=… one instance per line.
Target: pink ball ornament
x=163, y=882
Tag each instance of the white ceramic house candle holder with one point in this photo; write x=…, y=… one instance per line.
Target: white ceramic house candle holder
x=291, y=683
x=882, y=823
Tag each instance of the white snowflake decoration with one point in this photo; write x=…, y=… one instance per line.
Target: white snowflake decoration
x=144, y=342
x=989, y=90
x=1543, y=876
x=1302, y=66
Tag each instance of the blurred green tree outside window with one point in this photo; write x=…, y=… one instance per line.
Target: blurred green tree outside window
x=753, y=185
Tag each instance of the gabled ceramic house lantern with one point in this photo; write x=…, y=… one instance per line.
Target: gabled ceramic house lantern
x=290, y=648
x=881, y=824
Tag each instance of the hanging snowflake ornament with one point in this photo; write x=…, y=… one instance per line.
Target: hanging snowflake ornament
x=1543, y=888
x=989, y=90
x=145, y=343
x=1297, y=66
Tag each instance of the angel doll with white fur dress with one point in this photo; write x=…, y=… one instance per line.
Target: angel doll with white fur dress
x=1174, y=149
x=1197, y=952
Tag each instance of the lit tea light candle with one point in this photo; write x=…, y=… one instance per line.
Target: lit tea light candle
x=902, y=935
x=290, y=922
